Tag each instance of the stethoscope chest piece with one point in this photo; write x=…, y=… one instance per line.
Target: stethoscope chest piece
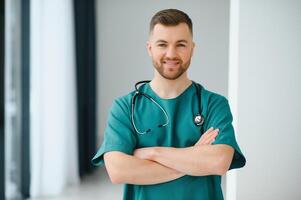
x=198, y=120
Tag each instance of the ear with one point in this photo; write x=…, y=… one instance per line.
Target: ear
x=192, y=49
x=149, y=47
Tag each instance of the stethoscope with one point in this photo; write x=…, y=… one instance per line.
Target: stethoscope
x=198, y=118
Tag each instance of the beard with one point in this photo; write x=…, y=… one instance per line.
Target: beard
x=171, y=73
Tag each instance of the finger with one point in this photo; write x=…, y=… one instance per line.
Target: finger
x=213, y=140
x=205, y=139
x=211, y=136
x=207, y=134
x=208, y=131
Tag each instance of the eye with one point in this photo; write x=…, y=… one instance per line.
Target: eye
x=162, y=45
x=181, y=45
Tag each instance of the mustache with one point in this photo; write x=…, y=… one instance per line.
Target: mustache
x=171, y=59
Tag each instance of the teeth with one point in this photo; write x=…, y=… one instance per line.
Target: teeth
x=171, y=62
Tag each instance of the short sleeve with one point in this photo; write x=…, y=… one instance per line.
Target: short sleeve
x=219, y=116
x=118, y=135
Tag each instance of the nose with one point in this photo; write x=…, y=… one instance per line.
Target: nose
x=171, y=53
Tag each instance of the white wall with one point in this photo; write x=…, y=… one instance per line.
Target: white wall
x=122, y=32
x=269, y=99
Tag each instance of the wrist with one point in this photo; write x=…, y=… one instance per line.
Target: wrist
x=154, y=153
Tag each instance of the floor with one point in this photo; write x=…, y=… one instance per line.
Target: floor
x=93, y=187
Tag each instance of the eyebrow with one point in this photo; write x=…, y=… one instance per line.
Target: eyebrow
x=179, y=41
x=161, y=41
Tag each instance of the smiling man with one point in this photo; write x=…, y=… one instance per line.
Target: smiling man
x=170, y=138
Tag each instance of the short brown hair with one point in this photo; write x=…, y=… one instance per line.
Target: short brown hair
x=170, y=17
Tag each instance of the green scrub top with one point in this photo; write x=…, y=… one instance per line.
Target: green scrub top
x=180, y=132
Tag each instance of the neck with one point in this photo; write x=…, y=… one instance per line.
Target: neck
x=167, y=89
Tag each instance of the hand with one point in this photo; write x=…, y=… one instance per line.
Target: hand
x=208, y=137
x=144, y=153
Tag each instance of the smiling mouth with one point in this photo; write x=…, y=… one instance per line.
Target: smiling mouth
x=171, y=62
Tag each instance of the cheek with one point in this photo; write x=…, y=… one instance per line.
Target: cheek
x=185, y=56
x=157, y=55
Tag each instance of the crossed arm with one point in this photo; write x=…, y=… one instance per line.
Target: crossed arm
x=154, y=165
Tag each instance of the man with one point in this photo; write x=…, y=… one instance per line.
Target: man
x=154, y=147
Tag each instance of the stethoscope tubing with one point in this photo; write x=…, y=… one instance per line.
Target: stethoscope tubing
x=198, y=119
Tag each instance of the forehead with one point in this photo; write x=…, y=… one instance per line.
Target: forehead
x=171, y=33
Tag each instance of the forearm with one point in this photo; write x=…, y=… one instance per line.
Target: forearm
x=196, y=160
x=123, y=168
